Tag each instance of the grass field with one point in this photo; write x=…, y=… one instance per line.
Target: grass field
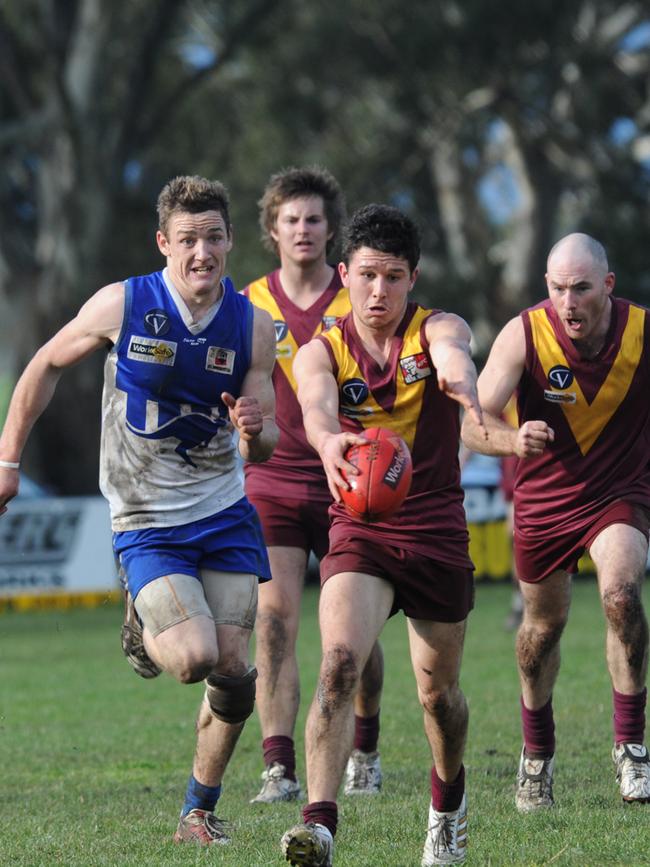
x=95, y=760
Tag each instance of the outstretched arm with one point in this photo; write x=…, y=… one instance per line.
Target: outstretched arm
x=96, y=326
x=253, y=412
x=449, y=338
x=496, y=384
x=319, y=400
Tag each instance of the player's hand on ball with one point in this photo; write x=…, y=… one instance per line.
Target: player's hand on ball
x=245, y=415
x=332, y=454
x=532, y=439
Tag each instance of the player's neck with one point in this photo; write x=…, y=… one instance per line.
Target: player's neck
x=590, y=346
x=377, y=342
x=304, y=283
x=198, y=304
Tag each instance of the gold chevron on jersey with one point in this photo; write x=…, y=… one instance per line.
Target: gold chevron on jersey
x=587, y=420
x=286, y=345
x=359, y=402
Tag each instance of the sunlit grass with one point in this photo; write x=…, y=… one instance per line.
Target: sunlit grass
x=95, y=760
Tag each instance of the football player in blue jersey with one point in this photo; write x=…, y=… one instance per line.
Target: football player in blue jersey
x=188, y=363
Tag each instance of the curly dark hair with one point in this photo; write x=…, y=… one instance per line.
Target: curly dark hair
x=298, y=183
x=383, y=228
x=194, y=195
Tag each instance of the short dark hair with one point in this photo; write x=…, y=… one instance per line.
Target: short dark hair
x=192, y=194
x=383, y=228
x=300, y=183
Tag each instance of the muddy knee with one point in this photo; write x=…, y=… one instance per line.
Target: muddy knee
x=535, y=644
x=624, y=610
x=339, y=677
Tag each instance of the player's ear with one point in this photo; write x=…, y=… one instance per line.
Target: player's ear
x=414, y=276
x=163, y=243
x=344, y=275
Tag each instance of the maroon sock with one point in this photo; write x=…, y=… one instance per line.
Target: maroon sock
x=446, y=797
x=366, y=733
x=539, y=730
x=324, y=812
x=629, y=717
x=280, y=748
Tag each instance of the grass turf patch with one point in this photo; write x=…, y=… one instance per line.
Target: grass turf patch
x=96, y=759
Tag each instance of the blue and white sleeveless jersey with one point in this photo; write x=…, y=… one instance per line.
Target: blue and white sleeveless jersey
x=167, y=450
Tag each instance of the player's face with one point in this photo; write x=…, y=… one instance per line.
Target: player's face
x=301, y=230
x=196, y=247
x=379, y=284
x=579, y=289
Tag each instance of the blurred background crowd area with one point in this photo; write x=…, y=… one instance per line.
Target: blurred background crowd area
x=498, y=126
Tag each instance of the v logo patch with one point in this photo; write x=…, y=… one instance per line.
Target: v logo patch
x=587, y=420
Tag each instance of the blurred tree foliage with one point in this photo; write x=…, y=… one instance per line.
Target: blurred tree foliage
x=499, y=127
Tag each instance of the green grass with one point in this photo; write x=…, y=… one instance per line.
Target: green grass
x=95, y=760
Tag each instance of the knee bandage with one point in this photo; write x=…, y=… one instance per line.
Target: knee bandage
x=231, y=699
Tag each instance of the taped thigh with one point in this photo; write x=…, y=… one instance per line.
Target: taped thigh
x=169, y=600
x=231, y=597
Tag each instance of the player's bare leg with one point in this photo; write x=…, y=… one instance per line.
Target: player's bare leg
x=620, y=554
x=436, y=653
x=348, y=633
x=278, y=685
x=363, y=775
x=546, y=609
x=353, y=609
x=217, y=737
x=276, y=630
x=188, y=651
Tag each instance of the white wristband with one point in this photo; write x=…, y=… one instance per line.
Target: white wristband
x=10, y=465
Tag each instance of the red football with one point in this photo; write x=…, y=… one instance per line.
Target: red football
x=383, y=482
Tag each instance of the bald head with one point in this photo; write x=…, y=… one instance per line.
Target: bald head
x=578, y=248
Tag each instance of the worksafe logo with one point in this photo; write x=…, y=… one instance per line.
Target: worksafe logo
x=151, y=350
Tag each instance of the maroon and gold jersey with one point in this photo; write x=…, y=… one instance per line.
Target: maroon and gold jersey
x=295, y=470
x=599, y=411
x=404, y=397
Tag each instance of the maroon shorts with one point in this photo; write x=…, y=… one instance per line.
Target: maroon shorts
x=294, y=523
x=425, y=589
x=540, y=555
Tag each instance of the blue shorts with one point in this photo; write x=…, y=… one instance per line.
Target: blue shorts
x=230, y=541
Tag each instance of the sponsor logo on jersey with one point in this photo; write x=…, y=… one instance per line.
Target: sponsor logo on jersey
x=156, y=322
x=328, y=322
x=560, y=376
x=559, y=396
x=396, y=470
x=283, y=351
x=415, y=367
x=354, y=391
x=281, y=329
x=220, y=360
x=151, y=350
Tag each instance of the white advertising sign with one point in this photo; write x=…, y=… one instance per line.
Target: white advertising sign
x=51, y=545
